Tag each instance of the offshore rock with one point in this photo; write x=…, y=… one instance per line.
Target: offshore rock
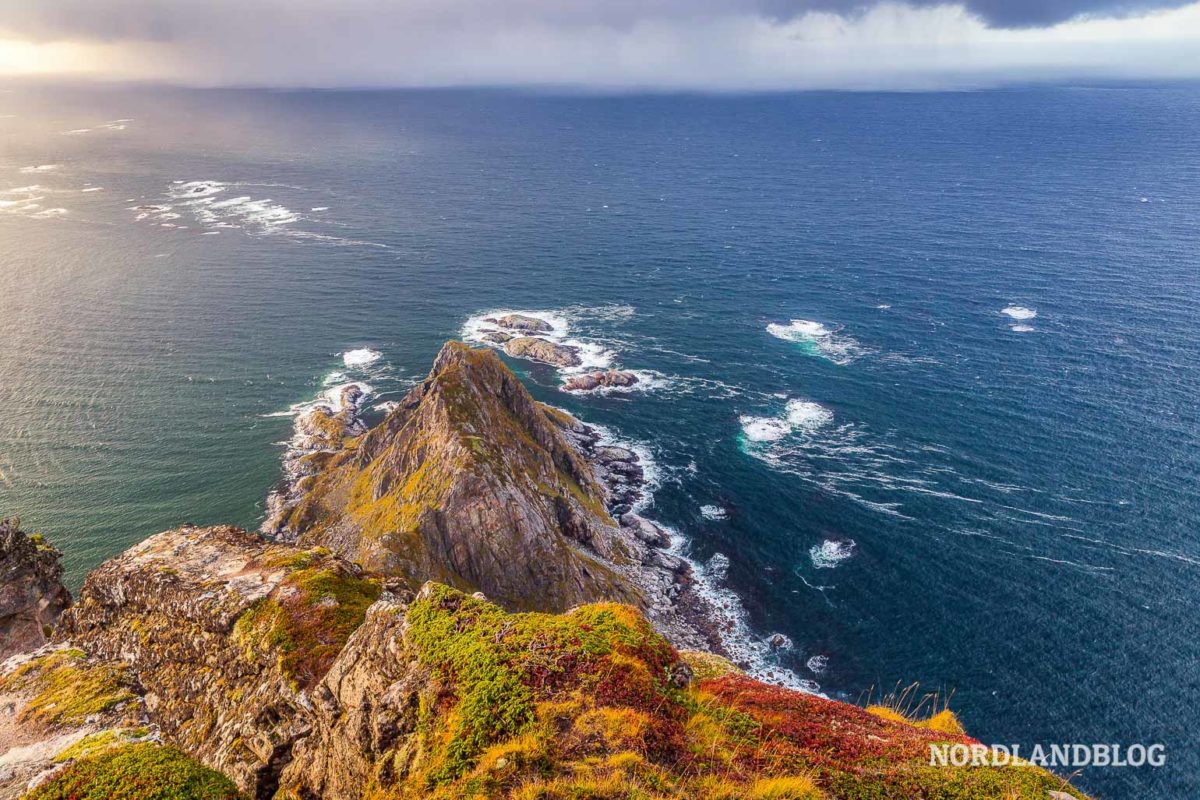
x=600, y=380
x=522, y=322
x=531, y=347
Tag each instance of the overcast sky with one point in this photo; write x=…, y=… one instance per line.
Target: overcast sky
x=602, y=44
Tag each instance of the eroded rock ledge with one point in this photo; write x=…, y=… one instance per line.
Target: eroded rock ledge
x=32, y=595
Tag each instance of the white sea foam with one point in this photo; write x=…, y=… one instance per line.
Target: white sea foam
x=753, y=652
x=817, y=664
x=799, y=417
x=26, y=201
x=1018, y=312
x=362, y=357
x=829, y=553
x=764, y=429
x=39, y=169
x=819, y=340
x=714, y=513
x=807, y=415
x=1021, y=328
x=593, y=355
x=204, y=200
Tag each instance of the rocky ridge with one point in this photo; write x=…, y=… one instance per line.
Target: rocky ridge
x=470, y=481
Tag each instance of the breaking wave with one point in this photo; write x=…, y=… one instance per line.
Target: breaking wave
x=818, y=340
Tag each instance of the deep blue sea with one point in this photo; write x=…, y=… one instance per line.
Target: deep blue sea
x=931, y=360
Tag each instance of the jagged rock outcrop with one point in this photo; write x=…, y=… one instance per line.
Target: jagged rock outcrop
x=32, y=595
x=468, y=482
x=227, y=635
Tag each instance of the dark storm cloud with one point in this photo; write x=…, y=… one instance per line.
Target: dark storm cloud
x=172, y=20
x=1000, y=13
x=707, y=45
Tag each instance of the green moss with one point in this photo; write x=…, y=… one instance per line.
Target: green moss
x=67, y=688
x=948, y=783
x=496, y=662
x=307, y=619
x=98, y=742
x=137, y=772
x=707, y=666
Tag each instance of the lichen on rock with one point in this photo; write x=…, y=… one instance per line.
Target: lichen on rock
x=468, y=482
x=32, y=595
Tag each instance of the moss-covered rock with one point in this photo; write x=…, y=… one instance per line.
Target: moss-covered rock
x=469, y=482
x=225, y=632
x=307, y=620
x=586, y=705
x=66, y=687
x=137, y=772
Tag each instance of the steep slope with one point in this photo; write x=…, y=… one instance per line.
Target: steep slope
x=32, y=595
x=468, y=482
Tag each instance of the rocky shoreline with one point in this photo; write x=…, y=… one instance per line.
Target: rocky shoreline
x=319, y=430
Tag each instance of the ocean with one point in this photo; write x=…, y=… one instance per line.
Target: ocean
x=919, y=371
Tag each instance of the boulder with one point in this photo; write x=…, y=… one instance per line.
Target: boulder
x=523, y=322
x=607, y=453
x=535, y=349
x=645, y=530
x=498, y=337
x=597, y=380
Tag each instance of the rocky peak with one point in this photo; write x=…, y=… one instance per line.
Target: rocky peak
x=468, y=481
x=32, y=595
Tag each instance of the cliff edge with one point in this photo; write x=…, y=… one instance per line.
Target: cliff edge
x=208, y=664
x=32, y=595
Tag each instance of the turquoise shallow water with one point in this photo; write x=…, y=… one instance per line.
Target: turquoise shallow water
x=919, y=480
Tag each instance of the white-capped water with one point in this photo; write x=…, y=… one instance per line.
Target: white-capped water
x=1018, y=312
x=805, y=415
x=799, y=417
x=361, y=357
x=831, y=552
x=819, y=340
